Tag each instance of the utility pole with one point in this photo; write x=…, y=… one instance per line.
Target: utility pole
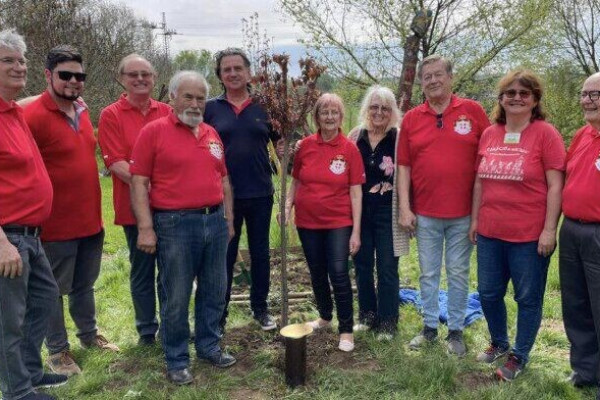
x=166, y=33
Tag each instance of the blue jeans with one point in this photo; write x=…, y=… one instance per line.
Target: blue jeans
x=499, y=261
x=191, y=246
x=432, y=235
x=377, y=308
x=327, y=252
x=142, y=284
x=76, y=267
x=26, y=303
x=257, y=214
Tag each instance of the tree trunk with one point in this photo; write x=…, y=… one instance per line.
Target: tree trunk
x=283, y=229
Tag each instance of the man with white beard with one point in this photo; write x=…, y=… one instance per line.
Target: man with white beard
x=187, y=220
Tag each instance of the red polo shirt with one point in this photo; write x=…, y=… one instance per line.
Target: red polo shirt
x=581, y=194
x=325, y=171
x=69, y=156
x=185, y=171
x=442, y=159
x=25, y=189
x=118, y=128
x=513, y=180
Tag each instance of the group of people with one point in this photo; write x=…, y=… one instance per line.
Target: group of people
x=188, y=174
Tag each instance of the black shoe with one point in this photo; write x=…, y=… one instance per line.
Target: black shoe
x=576, y=380
x=147, y=340
x=38, y=396
x=220, y=359
x=50, y=380
x=266, y=322
x=180, y=376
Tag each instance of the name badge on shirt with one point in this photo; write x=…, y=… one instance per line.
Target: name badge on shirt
x=512, y=138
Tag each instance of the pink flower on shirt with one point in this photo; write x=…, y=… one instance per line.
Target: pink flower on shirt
x=387, y=165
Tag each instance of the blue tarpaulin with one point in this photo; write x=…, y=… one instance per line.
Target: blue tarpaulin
x=474, y=312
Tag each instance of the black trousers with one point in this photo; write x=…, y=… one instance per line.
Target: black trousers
x=579, y=266
x=327, y=252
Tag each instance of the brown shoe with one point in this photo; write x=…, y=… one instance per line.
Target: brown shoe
x=63, y=363
x=100, y=342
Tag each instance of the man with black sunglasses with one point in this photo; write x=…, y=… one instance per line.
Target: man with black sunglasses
x=579, y=252
x=436, y=164
x=73, y=236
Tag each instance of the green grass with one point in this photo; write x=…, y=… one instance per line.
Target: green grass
x=374, y=371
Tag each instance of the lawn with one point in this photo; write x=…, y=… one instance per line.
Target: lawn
x=374, y=370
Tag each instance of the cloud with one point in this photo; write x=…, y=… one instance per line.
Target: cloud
x=214, y=25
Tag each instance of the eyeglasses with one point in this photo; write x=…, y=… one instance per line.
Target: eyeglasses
x=333, y=113
x=67, y=75
x=439, y=121
x=512, y=93
x=383, y=109
x=13, y=61
x=135, y=74
x=594, y=95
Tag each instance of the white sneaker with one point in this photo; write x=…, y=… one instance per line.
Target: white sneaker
x=346, y=345
x=318, y=324
x=361, y=327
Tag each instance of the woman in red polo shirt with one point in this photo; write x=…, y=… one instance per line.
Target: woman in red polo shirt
x=516, y=205
x=327, y=195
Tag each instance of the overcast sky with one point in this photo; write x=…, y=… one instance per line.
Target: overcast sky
x=214, y=25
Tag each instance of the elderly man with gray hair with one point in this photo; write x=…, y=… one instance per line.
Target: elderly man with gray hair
x=28, y=291
x=437, y=152
x=187, y=220
x=579, y=252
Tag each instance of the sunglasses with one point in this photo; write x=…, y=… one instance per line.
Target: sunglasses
x=135, y=74
x=512, y=93
x=383, y=109
x=439, y=121
x=67, y=75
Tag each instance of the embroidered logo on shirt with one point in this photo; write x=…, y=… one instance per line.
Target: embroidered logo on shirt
x=216, y=150
x=597, y=163
x=338, y=165
x=462, y=126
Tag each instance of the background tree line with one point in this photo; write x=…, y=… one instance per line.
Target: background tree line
x=362, y=42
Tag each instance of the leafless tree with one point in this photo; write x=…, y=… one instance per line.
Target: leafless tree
x=580, y=23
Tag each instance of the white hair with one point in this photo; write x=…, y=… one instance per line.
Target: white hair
x=183, y=75
x=10, y=39
x=388, y=98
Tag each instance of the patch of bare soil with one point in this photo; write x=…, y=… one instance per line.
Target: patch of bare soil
x=475, y=379
x=246, y=394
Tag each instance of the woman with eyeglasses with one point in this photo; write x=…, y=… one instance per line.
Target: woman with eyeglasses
x=382, y=241
x=327, y=196
x=516, y=206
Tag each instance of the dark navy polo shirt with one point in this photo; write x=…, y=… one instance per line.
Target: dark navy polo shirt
x=245, y=137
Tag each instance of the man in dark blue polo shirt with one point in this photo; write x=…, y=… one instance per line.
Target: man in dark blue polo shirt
x=245, y=131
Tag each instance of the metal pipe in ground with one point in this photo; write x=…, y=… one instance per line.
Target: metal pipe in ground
x=295, y=353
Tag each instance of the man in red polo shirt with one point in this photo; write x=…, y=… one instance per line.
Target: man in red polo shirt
x=118, y=128
x=28, y=291
x=579, y=252
x=73, y=235
x=436, y=158
x=187, y=220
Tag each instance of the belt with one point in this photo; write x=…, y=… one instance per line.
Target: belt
x=583, y=221
x=34, y=231
x=203, y=210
